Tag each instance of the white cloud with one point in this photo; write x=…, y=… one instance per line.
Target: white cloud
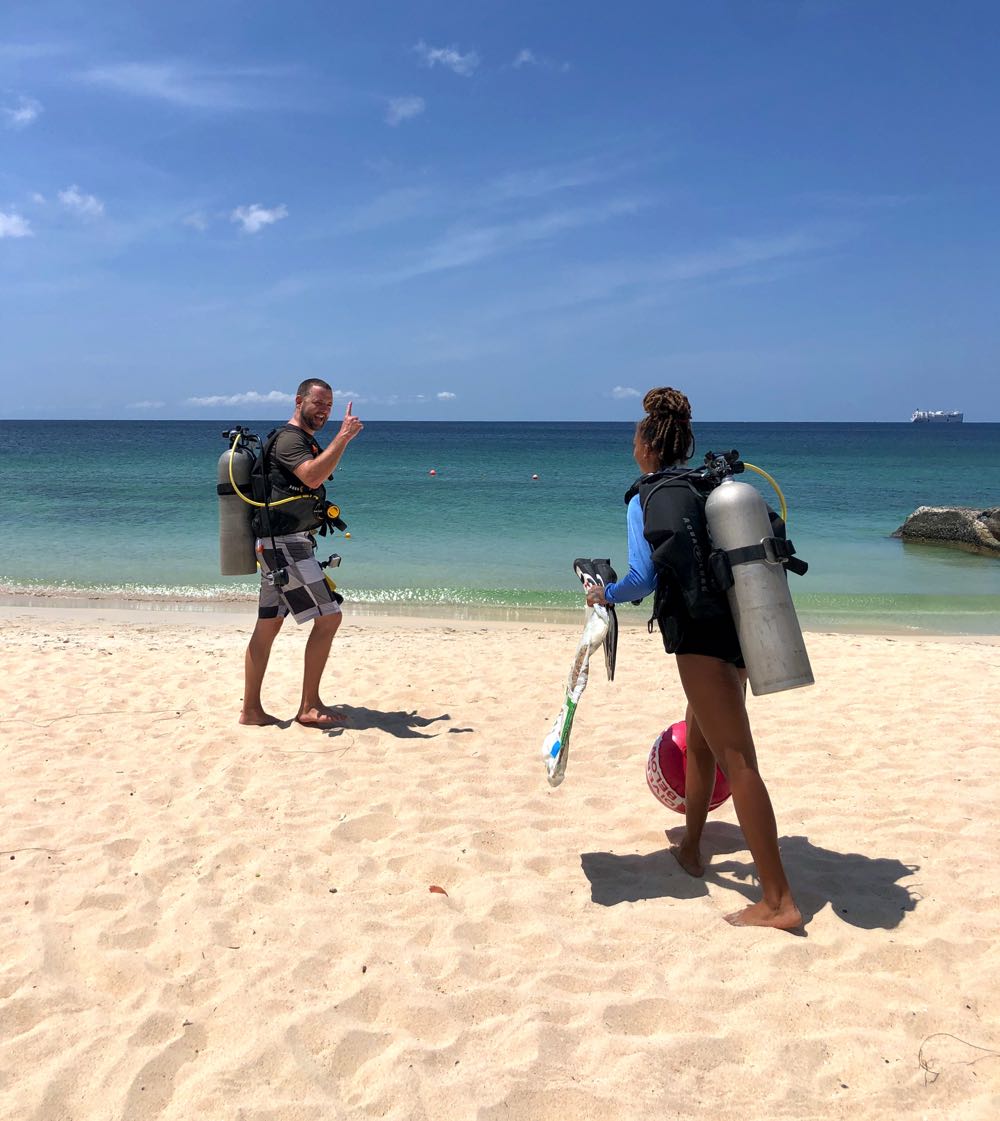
x=642, y=282
x=538, y=181
x=181, y=84
x=527, y=57
x=445, y=396
x=38, y=198
x=88, y=206
x=450, y=57
x=23, y=113
x=390, y=207
x=400, y=109
x=255, y=217
x=197, y=220
x=466, y=245
x=251, y=397
x=13, y=225
x=146, y=405
x=350, y=395
x=624, y=392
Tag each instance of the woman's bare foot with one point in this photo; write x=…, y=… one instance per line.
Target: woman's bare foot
x=786, y=916
x=319, y=716
x=688, y=856
x=258, y=718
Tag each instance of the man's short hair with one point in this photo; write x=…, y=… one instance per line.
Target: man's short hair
x=303, y=390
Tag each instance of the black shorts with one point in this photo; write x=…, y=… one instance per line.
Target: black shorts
x=714, y=638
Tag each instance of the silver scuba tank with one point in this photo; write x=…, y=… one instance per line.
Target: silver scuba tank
x=236, y=539
x=770, y=635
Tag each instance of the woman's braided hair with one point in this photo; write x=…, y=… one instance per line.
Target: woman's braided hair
x=666, y=427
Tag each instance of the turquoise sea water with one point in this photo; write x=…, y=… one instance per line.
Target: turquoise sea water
x=129, y=509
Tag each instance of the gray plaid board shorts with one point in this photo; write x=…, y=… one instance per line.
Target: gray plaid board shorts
x=307, y=594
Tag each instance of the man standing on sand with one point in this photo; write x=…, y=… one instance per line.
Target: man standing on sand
x=292, y=581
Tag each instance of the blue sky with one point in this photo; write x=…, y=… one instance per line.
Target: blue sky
x=486, y=210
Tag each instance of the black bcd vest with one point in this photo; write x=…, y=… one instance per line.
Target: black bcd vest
x=673, y=521
x=272, y=483
x=688, y=590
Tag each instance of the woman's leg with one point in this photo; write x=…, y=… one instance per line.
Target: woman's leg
x=714, y=691
x=699, y=783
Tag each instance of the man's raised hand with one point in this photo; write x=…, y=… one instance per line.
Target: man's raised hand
x=350, y=426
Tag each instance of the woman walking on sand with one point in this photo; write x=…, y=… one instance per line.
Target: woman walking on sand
x=711, y=668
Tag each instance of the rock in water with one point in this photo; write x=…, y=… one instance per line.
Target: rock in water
x=976, y=530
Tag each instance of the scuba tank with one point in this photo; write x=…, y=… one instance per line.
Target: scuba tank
x=750, y=563
x=236, y=540
x=246, y=511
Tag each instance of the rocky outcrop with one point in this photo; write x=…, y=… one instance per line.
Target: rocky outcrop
x=977, y=530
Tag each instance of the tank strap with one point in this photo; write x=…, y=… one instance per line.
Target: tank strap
x=771, y=549
x=774, y=550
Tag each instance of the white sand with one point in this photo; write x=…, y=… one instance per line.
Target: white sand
x=174, y=947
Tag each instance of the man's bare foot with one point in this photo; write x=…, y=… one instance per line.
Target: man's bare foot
x=258, y=718
x=319, y=716
x=786, y=916
x=688, y=856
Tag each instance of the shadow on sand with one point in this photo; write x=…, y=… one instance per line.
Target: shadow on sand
x=403, y=725
x=864, y=891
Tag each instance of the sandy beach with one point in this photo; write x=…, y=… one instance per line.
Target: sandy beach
x=205, y=920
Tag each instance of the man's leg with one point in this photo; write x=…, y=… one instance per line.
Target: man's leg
x=255, y=666
x=312, y=711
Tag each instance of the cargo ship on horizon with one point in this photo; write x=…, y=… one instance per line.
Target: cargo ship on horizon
x=936, y=416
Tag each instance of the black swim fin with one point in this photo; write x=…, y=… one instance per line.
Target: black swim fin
x=585, y=572
x=600, y=572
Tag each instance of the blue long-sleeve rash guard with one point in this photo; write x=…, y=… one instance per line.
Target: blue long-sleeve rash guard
x=641, y=578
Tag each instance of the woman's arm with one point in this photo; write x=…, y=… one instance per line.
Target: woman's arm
x=641, y=578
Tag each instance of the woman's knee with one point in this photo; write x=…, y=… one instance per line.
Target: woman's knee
x=696, y=741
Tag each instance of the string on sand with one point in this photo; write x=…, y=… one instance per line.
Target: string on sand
x=341, y=749
x=174, y=713
x=931, y=1075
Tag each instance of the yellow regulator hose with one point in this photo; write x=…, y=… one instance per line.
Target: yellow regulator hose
x=770, y=478
x=281, y=501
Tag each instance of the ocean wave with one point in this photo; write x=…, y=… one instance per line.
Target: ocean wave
x=429, y=597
